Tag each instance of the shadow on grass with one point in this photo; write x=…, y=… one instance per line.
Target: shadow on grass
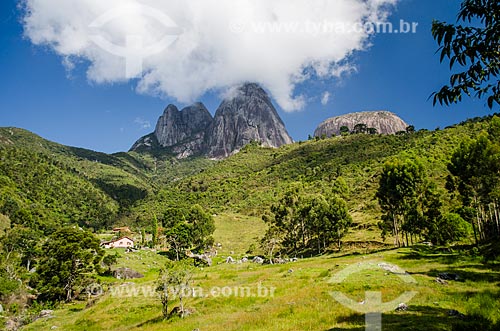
x=421, y=318
x=484, y=272
x=464, y=275
x=350, y=254
x=440, y=254
x=150, y=322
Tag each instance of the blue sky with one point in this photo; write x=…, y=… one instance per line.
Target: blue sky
x=397, y=73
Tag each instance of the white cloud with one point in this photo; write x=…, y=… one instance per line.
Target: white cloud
x=222, y=43
x=143, y=124
x=325, y=98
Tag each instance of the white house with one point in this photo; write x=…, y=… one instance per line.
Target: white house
x=124, y=242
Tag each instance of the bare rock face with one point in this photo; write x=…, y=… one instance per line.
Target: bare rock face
x=248, y=115
x=181, y=132
x=176, y=126
x=384, y=122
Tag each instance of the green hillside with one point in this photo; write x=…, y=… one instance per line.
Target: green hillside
x=251, y=181
x=47, y=188
x=125, y=187
x=69, y=184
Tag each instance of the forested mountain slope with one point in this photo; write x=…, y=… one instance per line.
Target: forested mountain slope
x=252, y=180
x=91, y=188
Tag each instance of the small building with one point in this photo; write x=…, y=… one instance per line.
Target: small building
x=122, y=229
x=124, y=242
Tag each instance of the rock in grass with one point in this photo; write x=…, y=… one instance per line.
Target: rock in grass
x=392, y=268
x=402, y=307
x=126, y=273
x=12, y=324
x=441, y=281
x=455, y=313
x=449, y=276
x=177, y=311
x=46, y=313
x=258, y=260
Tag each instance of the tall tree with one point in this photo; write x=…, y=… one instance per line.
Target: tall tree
x=286, y=218
x=448, y=228
x=360, y=128
x=154, y=231
x=400, y=187
x=344, y=130
x=327, y=220
x=302, y=221
x=70, y=255
x=475, y=174
x=25, y=242
x=203, y=226
x=174, y=282
x=475, y=48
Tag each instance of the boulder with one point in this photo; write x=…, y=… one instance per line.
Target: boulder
x=258, y=260
x=384, y=122
x=449, y=276
x=402, y=307
x=126, y=273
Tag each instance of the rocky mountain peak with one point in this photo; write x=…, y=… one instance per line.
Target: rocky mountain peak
x=175, y=126
x=245, y=115
x=248, y=115
x=384, y=122
x=252, y=90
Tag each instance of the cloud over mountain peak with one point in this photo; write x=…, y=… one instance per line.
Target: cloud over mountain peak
x=184, y=48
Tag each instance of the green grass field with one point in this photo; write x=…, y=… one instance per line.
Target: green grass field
x=301, y=291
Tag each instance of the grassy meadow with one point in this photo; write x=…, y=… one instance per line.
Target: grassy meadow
x=302, y=291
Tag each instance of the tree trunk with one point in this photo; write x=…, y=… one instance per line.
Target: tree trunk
x=271, y=253
x=475, y=232
x=478, y=219
x=496, y=217
x=164, y=304
x=302, y=229
x=68, y=290
x=480, y=223
x=395, y=230
x=339, y=239
x=181, y=305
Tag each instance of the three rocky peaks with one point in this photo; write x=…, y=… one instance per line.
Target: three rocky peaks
x=246, y=116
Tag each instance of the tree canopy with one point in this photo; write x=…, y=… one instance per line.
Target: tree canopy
x=301, y=221
x=474, y=47
x=70, y=255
